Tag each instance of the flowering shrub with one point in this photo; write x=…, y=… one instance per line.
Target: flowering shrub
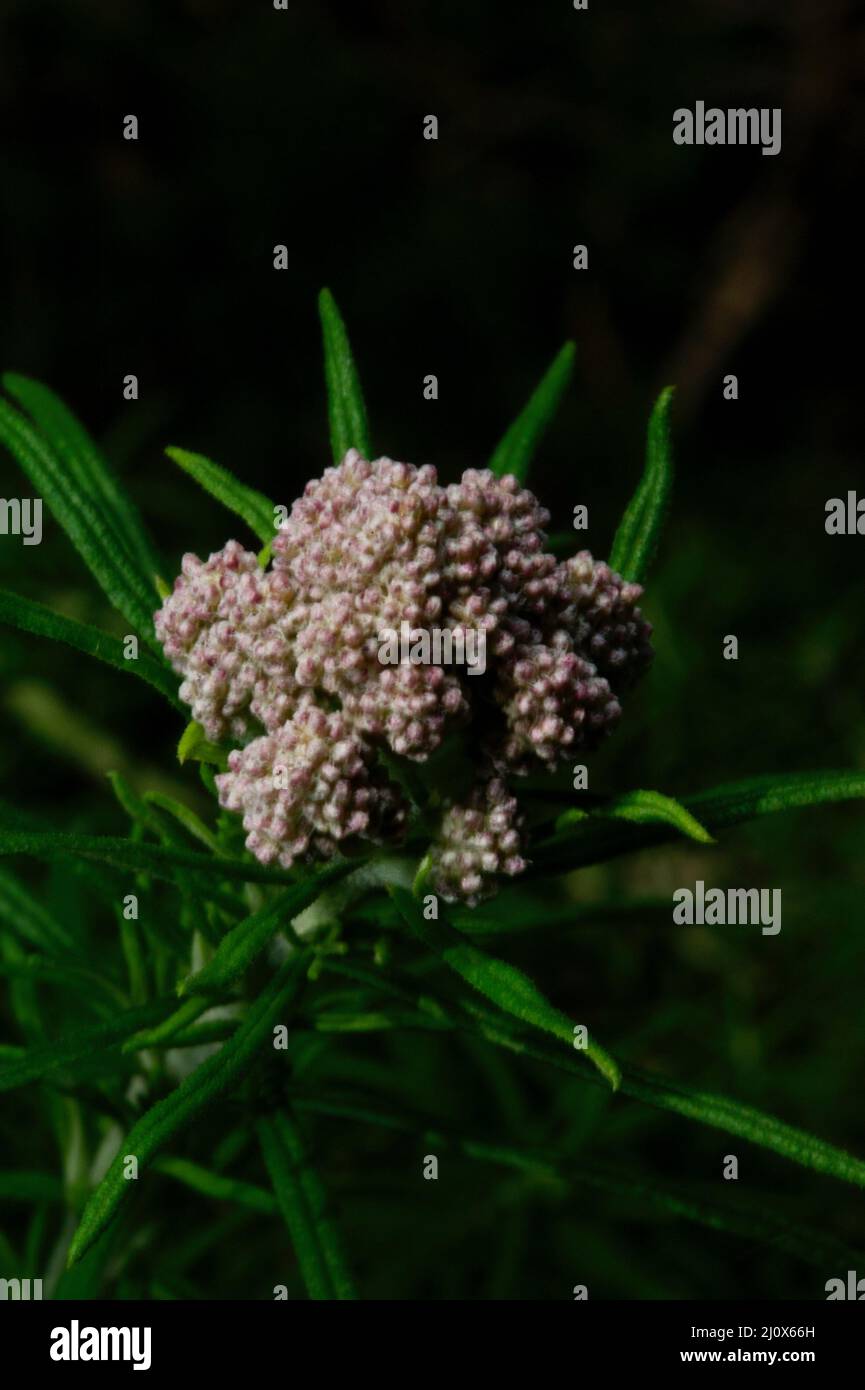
x=350, y=799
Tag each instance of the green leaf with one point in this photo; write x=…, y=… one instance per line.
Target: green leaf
x=245, y=502
x=28, y=616
x=62, y=972
x=185, y=816
x=763, y=795
x=87, y=466
x=196, y=747
x=304, y=1206
x=507, y=987
x=593, y=840
x=131, y=854
x=639, y=531
x=744, y=1122
x=164, y=1120
x=83, y=520
x=44, y=1062
x=29, y=918
x=240, y=947
x=215, y=1185
x=515, y=451
x=345, y=406
x=643, y=808
x=168, y=1028
x=197, y=885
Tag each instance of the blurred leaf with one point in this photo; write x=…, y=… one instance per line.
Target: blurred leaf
x=304, y=1206
x=639, y=531
x=30, y=918
x=33, y=617
x=755, y=1219
x=345, y=404
x=30, y=1187
x=22, y=997
x=87, y=466
x=62, y=972
x=515, y=451
x=718, y=1112
x=253, y=507
x=764, y=795
x=522, y=912
x=506, y=986
x=168, y=1116
x=216, y=1185
x=63, y=1054
x=83, y=522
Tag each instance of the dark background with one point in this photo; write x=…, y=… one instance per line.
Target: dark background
x=260, y=127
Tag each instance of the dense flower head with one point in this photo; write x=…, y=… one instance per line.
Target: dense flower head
x=477, y=843
x=219, y=628
x=310, y=785
x=600, y=610
x=554, y=701
x=288, y=661
x=513, y=522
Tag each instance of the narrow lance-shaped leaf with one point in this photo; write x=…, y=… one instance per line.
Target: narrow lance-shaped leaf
x=145, y=817
x=515, y=451
x=129, y=854
x=87, y=465
x=185, y=816
x=22, y=998
x=643, y=808
x=507, y=987
x=216, y=1185
x=240, y=947
x=639, y=531
x=64, y=1054
x=82, y=520
x=164, y=1120
x=63, y=972
x=304, y=1205
x=745, y=1123
x=594, y=839
x=345, y=405
x=253, y=507
x=27, y=916
x=33, y=617
x=188, y=1013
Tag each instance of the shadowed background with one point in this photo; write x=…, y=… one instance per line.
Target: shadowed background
x=454, y=257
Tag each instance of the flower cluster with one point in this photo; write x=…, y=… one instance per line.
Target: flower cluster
x=286, y=661
x=477, y=843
